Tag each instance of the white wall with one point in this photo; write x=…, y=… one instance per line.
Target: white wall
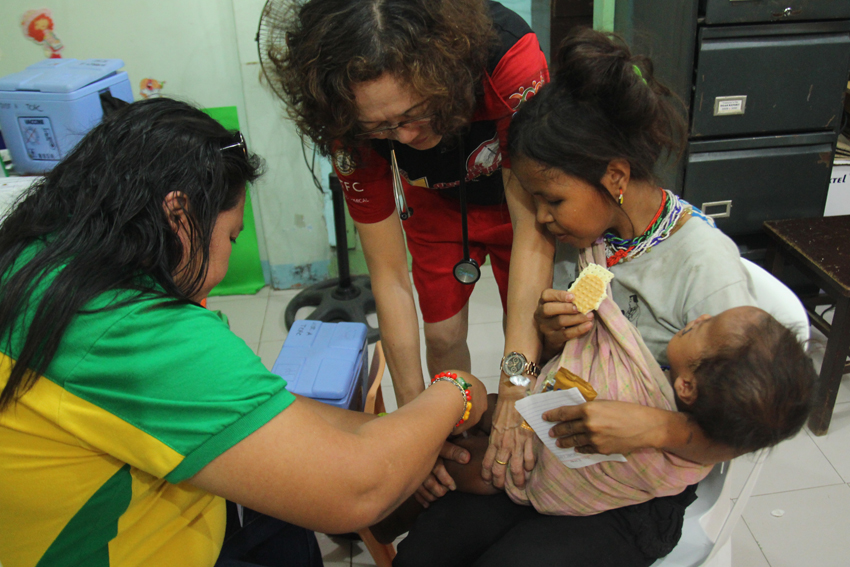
x=292, y=208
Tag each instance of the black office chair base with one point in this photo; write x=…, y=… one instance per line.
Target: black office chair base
x=336, y=303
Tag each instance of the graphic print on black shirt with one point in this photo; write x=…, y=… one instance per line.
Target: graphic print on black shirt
x=439, y=167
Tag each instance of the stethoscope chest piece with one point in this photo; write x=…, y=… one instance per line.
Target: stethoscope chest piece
x=467, y=271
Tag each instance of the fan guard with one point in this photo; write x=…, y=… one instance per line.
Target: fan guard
x=271, y=40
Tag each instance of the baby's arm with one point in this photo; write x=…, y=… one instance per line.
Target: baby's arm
x=468, y=476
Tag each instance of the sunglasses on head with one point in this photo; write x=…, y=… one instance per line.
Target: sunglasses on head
x=238, y=144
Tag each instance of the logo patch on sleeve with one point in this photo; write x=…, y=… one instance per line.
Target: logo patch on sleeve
x=343, y=162
x=523, y=94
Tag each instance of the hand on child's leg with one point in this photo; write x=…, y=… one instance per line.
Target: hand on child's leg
x=454, y=456
x=458, y=469
x=439, y=481
x=468, y=476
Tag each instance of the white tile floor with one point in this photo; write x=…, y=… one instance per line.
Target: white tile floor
x=808, y=477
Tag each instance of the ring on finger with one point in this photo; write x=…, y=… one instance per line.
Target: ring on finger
x=503, y=463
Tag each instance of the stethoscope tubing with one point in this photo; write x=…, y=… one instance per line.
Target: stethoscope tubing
x=398, y=189
x=463, y=216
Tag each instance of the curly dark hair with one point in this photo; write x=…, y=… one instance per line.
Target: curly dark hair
x=439, y=48
x=603, y=103
x=755, y=390
x=96, y=223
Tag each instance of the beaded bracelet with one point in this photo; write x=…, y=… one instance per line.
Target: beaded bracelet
x=461, y=385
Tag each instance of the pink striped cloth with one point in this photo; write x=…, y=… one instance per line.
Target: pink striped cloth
x=613, y=358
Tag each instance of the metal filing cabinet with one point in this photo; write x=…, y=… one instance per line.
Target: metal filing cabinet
x=564, y=17
x=763, y=83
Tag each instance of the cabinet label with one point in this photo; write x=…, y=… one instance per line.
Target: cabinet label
x=730, y=105
x=39, y=139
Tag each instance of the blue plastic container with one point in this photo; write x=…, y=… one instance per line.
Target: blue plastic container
x=326, y=362
x=49, y=106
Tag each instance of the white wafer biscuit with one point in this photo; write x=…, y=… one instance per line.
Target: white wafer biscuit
x=590, y=288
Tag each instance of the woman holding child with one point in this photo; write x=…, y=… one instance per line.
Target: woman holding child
x=583, y=150
x=585, y=158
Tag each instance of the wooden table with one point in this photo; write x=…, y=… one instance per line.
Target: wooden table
x=820, y=249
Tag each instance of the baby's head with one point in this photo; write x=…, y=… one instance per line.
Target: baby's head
x=743, y=376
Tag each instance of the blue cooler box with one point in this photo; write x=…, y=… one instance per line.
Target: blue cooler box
x=48, y=107
x=326, y=362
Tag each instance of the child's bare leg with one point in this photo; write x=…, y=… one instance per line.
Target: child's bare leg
x=486, y=422
x=467, y=478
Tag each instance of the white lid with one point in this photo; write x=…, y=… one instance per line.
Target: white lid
x=60, y=75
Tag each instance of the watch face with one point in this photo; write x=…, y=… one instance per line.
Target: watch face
x=514, y=364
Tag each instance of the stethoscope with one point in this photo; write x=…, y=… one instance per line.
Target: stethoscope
x=467, y=270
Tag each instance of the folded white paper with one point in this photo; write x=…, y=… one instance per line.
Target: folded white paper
x=10, y=189
x=532, y=408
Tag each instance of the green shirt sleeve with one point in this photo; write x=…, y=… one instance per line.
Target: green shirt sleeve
x=176, y=373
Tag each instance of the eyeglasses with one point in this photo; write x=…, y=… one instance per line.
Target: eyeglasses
x=238, y=143
x=384, y=132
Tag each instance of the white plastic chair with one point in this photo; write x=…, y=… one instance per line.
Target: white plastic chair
x=774, y=297
x=709, y=522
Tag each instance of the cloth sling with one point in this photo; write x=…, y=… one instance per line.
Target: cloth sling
x=613, y=358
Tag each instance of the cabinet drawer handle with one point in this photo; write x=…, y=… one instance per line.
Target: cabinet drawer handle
x=725, y=213
x=787, y=13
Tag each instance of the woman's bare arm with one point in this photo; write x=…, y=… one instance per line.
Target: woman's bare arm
x=336, y=471
x=530, y=273
x=386, y=257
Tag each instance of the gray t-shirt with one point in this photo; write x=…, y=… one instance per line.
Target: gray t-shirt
x=695, y=271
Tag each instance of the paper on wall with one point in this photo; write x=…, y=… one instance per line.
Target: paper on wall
x=533, y=407
x=10, y=189
x=838, y=197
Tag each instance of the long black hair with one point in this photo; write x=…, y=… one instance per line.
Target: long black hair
x=603, y=103
x=97, y=223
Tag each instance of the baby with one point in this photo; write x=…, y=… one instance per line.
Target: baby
x=743, y=376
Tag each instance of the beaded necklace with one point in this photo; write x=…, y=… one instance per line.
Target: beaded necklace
x=660, y=228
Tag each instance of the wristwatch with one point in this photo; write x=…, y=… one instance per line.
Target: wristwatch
x=516, y=365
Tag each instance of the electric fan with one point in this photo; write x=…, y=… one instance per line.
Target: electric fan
x=271, y=39
x=345, y=298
